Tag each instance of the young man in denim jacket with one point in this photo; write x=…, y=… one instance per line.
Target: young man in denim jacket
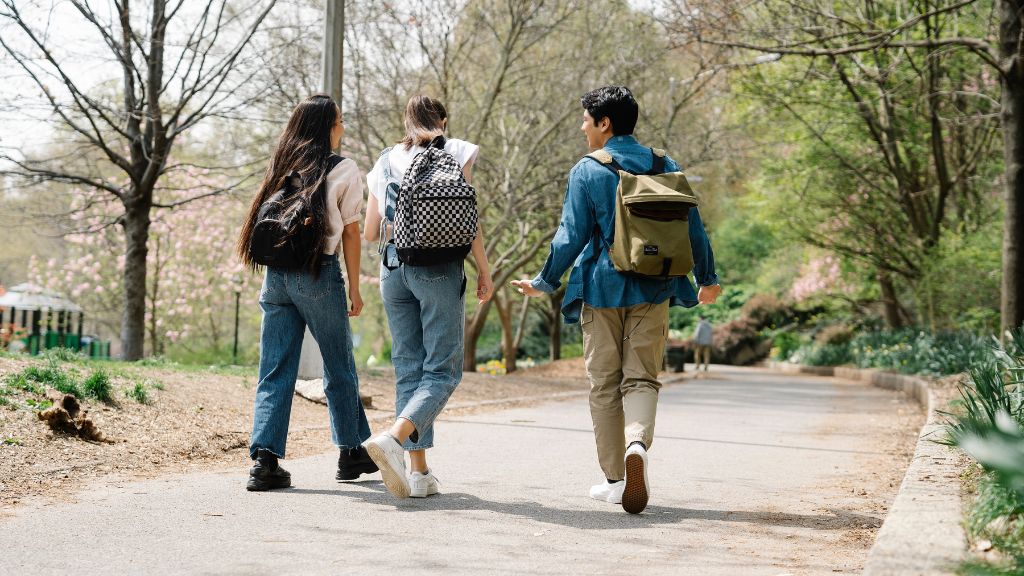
x=624, y=318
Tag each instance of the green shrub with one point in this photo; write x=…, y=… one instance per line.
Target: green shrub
x=825, y=355
x=836, y=334
x=97, y=386
x=138, y=393
x=990, y=428
x=784, y=344
x=766, y=310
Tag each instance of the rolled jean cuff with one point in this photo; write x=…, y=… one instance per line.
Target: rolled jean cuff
x=253, y=449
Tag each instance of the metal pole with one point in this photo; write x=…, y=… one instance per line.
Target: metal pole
x=311, y=363
x=234, y=352
x=334, y=48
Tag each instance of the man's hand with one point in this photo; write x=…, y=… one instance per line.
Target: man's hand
x=356, y=302
x=708, y=294
x=525, y=288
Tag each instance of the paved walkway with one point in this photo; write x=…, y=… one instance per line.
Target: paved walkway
x=751, y=473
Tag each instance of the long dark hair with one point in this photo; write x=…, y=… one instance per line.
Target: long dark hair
x=303, y=147
x=424, y=120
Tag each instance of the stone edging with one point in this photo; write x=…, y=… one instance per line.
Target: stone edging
x=922, y=534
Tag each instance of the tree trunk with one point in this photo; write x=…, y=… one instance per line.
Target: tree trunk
x=508, y=342
x=1013, y=158
x=555, y=326
x=133, y=320
x=474, y=328
x=892, y=306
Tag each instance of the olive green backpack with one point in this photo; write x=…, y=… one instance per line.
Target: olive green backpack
x=652, y=234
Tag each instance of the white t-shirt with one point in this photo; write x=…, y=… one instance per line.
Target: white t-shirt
x=344, y=201
x=400, y=158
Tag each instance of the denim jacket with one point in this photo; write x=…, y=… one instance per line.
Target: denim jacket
x=585, y=232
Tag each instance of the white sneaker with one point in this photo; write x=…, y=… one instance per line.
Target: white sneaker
x=389, y=456
x=610, y=492
x=422, y=485
x=637, y=489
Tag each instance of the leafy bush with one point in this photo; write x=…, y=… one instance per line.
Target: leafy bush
x=905, y=351
x=784, y=344
x=912, y=352
x=836, y=334
x=824, y=355
x=97, y=386
x=766, y=310
x=991, y=430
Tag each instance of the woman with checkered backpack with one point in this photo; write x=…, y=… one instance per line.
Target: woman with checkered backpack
x=422, y=212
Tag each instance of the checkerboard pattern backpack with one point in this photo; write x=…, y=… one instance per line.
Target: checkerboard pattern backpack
x=435, y=215
x=651, y=238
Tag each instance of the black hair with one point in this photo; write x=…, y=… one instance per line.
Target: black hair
x=615, y=103
x=304, y=147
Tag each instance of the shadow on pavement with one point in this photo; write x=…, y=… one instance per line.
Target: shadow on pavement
x=662, y=438
x=584, y=519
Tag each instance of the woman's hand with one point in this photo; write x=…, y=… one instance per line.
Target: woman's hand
x=356, y=302
x=484, y=286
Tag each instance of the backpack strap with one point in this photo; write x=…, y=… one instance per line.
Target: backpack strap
x=657, y=162
x=605, y=159
x=332, y=162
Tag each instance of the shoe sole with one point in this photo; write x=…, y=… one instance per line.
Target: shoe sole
x=634, y=496
x=263, y=487
x=393, y=479
x=351, y=474
x=424, y=494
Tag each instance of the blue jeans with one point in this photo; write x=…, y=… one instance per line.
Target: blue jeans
x=425, y=308
x=291, y=300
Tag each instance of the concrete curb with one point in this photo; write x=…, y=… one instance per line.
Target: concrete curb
x=922, y=534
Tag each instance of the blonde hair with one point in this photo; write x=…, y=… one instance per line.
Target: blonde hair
x=424, y=120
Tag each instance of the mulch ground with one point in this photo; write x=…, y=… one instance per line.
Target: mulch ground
x=200, y=419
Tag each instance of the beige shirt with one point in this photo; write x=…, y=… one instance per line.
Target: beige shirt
x=344, y=201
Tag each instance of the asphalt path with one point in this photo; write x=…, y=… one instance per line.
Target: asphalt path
x=751, y=473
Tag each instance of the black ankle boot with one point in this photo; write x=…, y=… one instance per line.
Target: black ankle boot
x=267, y=474
x=354, y=461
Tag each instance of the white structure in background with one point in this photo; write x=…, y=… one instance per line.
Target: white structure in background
x=311, y=364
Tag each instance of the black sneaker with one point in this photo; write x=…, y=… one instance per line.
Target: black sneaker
x=353, y=462
x=266, y=474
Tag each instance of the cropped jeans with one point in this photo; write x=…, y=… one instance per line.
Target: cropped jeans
x=291, y=300
x=426, y=312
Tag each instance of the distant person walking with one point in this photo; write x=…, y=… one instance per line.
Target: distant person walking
x=702, y=339
x=624, y=317
x=425, y=176
x=306, y=212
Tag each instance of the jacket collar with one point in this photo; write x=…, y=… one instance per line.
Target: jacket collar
x=621, y=141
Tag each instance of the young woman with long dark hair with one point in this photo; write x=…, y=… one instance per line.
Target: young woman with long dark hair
x=312, y=295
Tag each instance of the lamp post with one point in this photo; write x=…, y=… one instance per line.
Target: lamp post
x=236, y=281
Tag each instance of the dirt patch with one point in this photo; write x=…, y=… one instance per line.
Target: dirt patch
x=196, y=420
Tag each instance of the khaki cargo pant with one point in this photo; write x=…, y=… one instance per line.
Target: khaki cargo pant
x=624, y=350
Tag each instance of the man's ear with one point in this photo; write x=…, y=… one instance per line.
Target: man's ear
x=605, y=125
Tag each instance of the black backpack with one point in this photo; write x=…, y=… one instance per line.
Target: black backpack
x=285, y=234
x=435, y=212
